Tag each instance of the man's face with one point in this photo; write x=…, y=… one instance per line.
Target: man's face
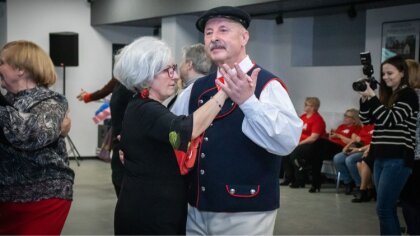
x=183, y=70
x=225, y=40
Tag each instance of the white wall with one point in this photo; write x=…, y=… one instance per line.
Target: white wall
x=272, y=47
x=178, y=32
x=34, y=20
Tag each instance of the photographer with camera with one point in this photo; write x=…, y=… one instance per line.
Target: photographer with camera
x=394, y=115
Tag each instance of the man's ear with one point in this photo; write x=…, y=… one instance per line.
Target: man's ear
x=245, y=37
x=189, y=64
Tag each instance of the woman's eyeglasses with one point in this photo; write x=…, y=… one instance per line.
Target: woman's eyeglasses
x=171, y=70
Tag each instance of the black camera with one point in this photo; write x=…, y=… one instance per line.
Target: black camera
x=360, y=85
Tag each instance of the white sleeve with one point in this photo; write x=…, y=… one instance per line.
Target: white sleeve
x=271, y=122
x=181, y=104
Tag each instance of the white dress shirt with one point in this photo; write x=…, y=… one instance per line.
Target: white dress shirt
x=271, y=121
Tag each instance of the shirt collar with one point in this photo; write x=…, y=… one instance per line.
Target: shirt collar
x=191, y=81
x=245, y=65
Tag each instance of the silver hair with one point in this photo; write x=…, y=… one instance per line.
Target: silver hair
x=137, y=64
x=196, y=53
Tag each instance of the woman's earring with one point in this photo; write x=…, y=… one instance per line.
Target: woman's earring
x=144, y=93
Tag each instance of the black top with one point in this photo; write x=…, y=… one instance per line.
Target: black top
x=394, y=133
x=34, y=164
x=153, y=195
x=3, y=102
x=120, y=98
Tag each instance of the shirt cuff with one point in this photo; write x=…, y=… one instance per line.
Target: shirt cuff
x=250, y=107
x=87, y=98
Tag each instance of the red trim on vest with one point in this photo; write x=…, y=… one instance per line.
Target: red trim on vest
x=218, y=116
x=279, y=80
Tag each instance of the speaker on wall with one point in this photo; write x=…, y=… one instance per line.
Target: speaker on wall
x=64, y=48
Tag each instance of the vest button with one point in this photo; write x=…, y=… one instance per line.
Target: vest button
x=252, y=191
x=203, y=155
x=206, y=139
x=202, y=172
x=203, y=189
x=200, y=101
x=232, y=191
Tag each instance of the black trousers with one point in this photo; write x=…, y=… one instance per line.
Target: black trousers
x=325, y=150
x=303, y=157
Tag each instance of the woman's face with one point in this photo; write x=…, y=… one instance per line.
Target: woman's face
x=9, y=76
x=391, y=76
x=309, y=108
x=348, y=118
x=165, y=83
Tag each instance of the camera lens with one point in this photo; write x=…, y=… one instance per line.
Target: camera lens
x=359, y=86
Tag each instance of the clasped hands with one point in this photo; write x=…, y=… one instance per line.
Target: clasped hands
x=238, y=85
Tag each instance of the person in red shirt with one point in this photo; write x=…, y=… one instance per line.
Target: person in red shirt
x=346, y=161
x=313, y=129
x=328, y=147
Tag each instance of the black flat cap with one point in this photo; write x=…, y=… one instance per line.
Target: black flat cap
x=228, y=12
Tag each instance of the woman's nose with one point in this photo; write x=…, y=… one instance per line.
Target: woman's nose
x=176, y=75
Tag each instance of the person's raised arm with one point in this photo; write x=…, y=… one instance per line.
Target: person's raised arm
x=99, y=94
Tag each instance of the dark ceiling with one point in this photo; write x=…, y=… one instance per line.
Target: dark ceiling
x=296, y=8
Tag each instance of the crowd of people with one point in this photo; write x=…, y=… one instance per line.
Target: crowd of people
x=199, y=151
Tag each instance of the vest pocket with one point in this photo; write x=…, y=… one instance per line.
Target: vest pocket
x=243, y=191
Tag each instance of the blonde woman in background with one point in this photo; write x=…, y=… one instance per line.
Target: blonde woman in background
x=36, y=182
x=410, y=196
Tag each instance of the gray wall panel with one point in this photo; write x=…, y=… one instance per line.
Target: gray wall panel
x=116, y=11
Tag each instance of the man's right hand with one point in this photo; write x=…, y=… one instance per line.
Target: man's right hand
x=238, y=85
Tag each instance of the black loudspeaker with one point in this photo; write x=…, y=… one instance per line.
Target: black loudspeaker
x=64, y=48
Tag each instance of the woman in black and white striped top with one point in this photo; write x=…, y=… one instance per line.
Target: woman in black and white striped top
x=394, y=114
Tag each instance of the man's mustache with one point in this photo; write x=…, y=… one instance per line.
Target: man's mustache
x=216, y=45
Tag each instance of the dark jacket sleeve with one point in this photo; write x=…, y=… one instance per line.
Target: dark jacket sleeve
x=104, y=91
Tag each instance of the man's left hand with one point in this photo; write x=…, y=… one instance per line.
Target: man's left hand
x=239, y=86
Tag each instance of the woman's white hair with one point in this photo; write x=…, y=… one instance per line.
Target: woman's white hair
x=137, y=63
